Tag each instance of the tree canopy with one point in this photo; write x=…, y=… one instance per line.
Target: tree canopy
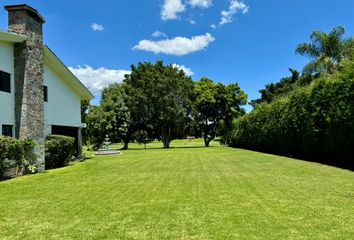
x=110, y=118
x=160, y=97
x=216, y=106
x=158, y=101
x=326, y=51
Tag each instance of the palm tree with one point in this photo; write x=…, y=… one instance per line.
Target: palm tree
x=326, y=51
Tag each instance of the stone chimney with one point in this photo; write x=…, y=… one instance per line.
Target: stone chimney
x=29, y=68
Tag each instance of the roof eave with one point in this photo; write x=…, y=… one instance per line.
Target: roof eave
x=11, y=37
x=61, y=69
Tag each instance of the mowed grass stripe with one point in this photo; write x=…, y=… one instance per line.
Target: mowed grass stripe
x=181, y=193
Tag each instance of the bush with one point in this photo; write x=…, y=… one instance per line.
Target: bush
x=58, y=151
x=15, y=153
x=313, y=123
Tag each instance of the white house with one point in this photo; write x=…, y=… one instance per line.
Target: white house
x=38, y=94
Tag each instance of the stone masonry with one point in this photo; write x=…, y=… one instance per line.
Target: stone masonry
x=29, y=70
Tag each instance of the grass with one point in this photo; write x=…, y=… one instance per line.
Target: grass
x=187, y=192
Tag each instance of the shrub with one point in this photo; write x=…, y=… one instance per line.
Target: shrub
x=58, y=151
x=314, y=123
x=15, y=153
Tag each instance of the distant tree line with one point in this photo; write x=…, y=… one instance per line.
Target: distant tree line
x=158, y=101
x=309, y=115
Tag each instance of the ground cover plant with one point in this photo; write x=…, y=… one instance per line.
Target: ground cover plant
x=186, y=192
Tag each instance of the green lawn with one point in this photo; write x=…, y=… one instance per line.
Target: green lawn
x=187, y=192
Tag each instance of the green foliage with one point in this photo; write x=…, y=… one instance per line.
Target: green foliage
x=315, y=122
x=159, y=98
x=58, y=151
x=327, y=51
x=230, y=99
x=286, y=85
x=110, y=118
x=216, y=104
x=14, y=152
x=85, y=106
x=207, y=115
x=142, y=137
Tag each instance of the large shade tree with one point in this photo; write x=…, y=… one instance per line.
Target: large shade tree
x=160, y=100
x=327, y=51
x=216, y=107
x=207, y=111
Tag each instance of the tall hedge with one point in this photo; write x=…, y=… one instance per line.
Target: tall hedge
x=314, y=123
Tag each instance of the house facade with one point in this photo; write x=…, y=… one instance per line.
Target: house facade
x=38, y=93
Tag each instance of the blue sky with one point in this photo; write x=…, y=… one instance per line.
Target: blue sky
x=253, y=44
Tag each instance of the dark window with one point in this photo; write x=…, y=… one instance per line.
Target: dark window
x=45, y=93
x=7, y=130
x=5, y=82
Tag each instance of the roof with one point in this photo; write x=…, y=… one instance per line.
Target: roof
x=59, y=67
x=11, y=37
x=55, y=63
x=26, y=8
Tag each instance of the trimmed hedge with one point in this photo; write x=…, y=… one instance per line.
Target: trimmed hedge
x=315, y=123
x=15, y=153
x=58, y=151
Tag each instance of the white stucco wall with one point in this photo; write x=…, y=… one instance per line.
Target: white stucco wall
x=7, y=108
x=63, y=106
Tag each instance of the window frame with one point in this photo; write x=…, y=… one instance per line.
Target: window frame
x=45, y=93
x=5, y=86
x=9, y=128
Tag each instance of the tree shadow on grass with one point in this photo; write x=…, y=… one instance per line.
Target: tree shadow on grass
x=296, y=158
x=161, y=148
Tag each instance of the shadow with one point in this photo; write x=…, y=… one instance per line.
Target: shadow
x=161, y=148
x=297, y=158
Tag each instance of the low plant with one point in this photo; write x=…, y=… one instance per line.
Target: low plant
x=15, y=153
x=58, y=151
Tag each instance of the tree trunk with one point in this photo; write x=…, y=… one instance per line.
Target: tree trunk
x=228, y=128
x=166, y=139
x=208, y=132
x=125, y=142
x=206, y=142
x=166, y=144
x=227, y=140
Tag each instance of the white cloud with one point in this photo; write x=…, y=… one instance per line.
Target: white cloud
x=178, y=46
x=97, y=79
x=159, y=34
x=171, y=8
x=213, y=26
x=186, y=70
x=200, y=3
x=235, y=7
x=192, y=22
x=97, y=27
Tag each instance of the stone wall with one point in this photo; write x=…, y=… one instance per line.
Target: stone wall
x=29, y=69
